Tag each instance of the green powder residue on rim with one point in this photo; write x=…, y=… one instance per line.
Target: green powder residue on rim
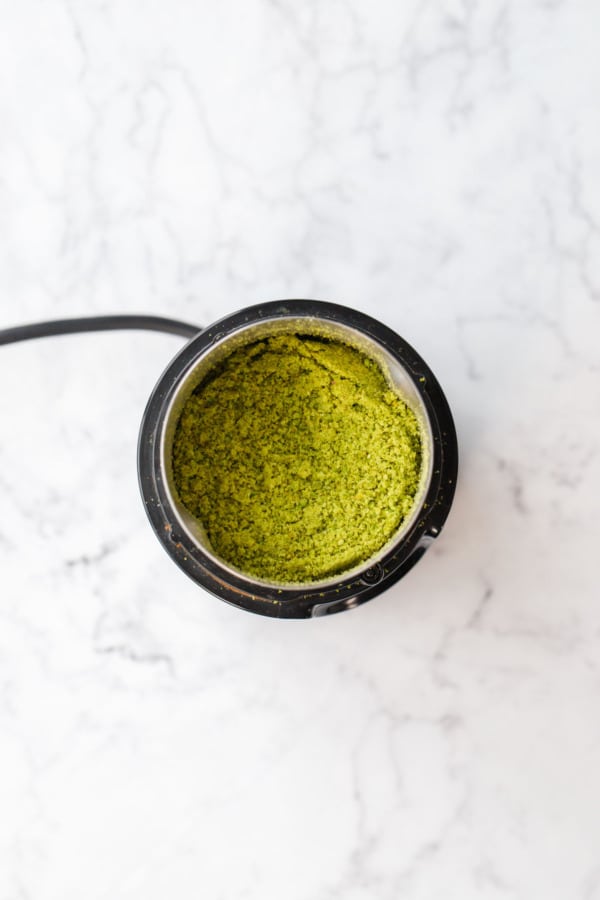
x=297, y=458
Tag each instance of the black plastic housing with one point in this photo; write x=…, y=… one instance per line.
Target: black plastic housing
x=304, y=601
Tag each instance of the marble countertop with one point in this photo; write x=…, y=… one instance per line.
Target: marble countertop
x=436, y=165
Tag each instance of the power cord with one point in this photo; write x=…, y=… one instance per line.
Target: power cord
x=96, y=323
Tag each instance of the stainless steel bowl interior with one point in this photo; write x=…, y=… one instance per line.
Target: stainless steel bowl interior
x=222, y=346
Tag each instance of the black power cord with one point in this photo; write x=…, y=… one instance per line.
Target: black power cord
x=97, y=323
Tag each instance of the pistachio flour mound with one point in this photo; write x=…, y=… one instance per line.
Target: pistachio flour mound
x=297, y=457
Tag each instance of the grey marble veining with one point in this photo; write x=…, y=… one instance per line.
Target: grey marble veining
x=436, y=165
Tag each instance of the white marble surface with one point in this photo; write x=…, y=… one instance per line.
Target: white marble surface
x=438, y=166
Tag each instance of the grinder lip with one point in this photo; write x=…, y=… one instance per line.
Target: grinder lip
x=349, y=589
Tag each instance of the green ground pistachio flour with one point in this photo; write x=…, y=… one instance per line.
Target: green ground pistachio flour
x=297, y=457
